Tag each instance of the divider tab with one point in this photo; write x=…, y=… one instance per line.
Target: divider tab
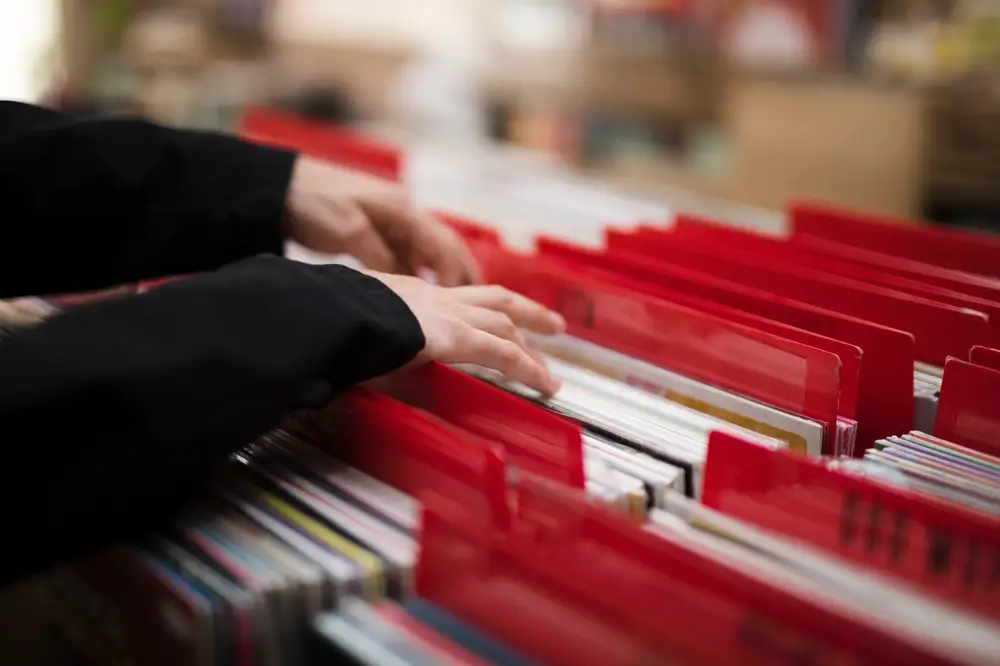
x=911, y=239
x=968, y=410
x=985, y=356
x=414, y=451
x=322, y=141
x=534, y=439
x=943, y=548
x=759, y=365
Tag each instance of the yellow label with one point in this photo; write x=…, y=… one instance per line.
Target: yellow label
x=795, y=441
x=637, y=505
x=372, y=565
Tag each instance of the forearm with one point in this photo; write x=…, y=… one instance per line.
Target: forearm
x=88, y=204
x=113, y=414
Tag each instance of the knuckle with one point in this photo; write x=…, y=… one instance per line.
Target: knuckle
x=355, y=227
x=454, y=323
x=510, y=355
x=502, y=297
x=459, y=332
x=506, y=326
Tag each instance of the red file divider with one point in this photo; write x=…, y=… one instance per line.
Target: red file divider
x=607, y=269
x=414, y=451
x=885, y=382
x=948, y=248
x=968, y=411
x=533, y=439
x=966, y=283
x=985, y=357
x=322, y=141
x=939, y=547
x=471, y=231
x=466, y=567
x=759, y=365
x=572, y=584
x=939, y=330
x=728, y=240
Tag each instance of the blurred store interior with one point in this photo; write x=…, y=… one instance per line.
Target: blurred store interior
x=888, y=105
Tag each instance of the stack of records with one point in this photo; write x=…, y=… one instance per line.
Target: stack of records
x=725, y=476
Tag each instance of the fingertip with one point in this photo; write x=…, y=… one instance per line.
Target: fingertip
x=552, y=387
x=547, y=384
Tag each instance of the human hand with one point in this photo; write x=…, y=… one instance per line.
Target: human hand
x=479, y=325
x=334, y=210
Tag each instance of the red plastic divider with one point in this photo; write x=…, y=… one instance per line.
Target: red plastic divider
x=606, y=269
x=756, y=364
x=968, y=411
x=466, y=567
x=322, y=141
x=985, y=356
x=939, y=330
x=572, y=583
x=471, y=231
x=728, y=240
x=966, y=283
x=941, y=548
x=533, y=439
x=949, y=248
x=414, y=451
x=885, y=383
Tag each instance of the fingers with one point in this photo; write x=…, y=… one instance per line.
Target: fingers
x=454, y=266
x=506, y=357
x=497, y=324
x=422, y=241
x=445, y=253
x=524, y=312
x=365, y=244
x=481, y=328
x=528, y=364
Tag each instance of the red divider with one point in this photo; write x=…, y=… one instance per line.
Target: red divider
x=571, y=583
x=968, y=411
x=534, y=439
x=322, y=141
x=727, y=240
x=948, y=248
x=608, y=269
x=534, y=606
x=942, y=548
x=966, y=283
x=885, y=383
x=471, y=231
x=759, y=365
x=414, y=451
x=986, y=357
x=939, y=330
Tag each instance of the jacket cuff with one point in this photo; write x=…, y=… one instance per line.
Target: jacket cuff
x=246, y=183
x=389, y=321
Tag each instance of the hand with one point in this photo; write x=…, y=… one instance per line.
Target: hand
x=479, y=325
x=334, y=210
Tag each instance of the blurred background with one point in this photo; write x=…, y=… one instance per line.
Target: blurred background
x=889, y=105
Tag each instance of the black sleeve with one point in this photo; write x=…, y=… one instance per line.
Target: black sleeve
x=113, y=414
x=85, y=204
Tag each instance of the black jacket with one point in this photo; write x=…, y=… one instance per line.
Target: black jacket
x=112, y=414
